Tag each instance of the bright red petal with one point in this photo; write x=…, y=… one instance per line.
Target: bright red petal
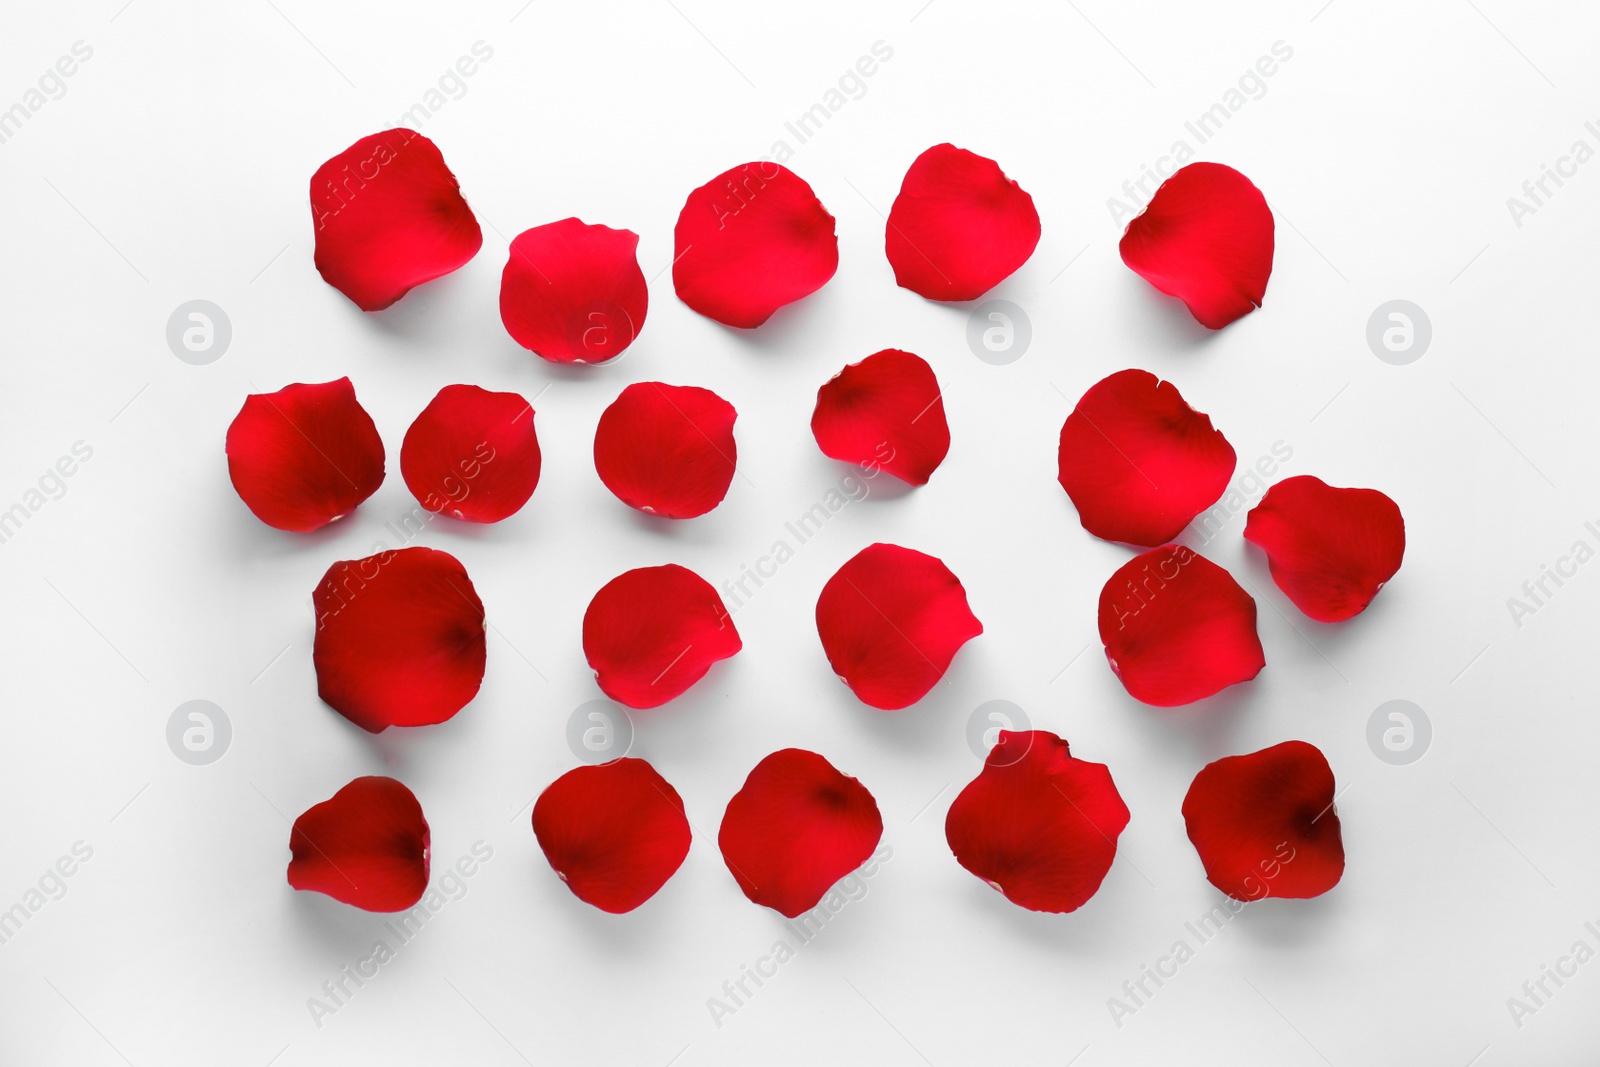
x=574, y=293
x=652, y=632
x=389, y=216
x=305, y=455
x=891, y=620
x=367, y=845
x=1330, y=550
x=884, y=412
x=1265, y=824
x=399, y=638
x=1038, y=824
x=1206, y=238
x=750, y=241
x=614, y=833
x=796, y=827
x=1177, y=627
x=1138, y=462
x=472, y=454
x=959, y=226
x=667, y=449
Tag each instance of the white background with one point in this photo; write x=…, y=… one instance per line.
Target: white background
x=176, y=166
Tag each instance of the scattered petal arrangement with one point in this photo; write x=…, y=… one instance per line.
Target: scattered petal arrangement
x=400, y=634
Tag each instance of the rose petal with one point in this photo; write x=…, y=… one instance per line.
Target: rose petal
x=1329, y=549
x=891, y=620
x=652, y=632
x=795, y=828
x=472, y=454
x=1265, y=825
x=305, y=455
x=399, y=638
x=959, y=226
x=1206, y=238
x=1177, y=627
x=1138, y=462
x=667, y=449
x=1037, y=823
x=574, y=293
x=367, y=845
x=614, y=833
x=884, y=412
x=750, y=241
x=389, y=216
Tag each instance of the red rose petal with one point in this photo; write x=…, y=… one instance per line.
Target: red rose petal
x=884, y=412
x=614, y=833
x=305, y=455
x=367, y=845
x=795, y=828
x=667, y=449
x=399, y=638
x=891, y=620
x=652, y=632
x=1329, y=549
x=472, y=454
x=389, y=216
x=574, y=293
x=1177, y=627
x=1138, y=462
x=750, y=241
x=959, y=226
x=1037, y=823
x=1205, y=238
x=1265, y=824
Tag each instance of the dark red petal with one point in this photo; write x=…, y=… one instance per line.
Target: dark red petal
x=1330, y=549
x=796, y=827
x=1138, y=462
x=472, y=454
x=1205, y=238
x=366, y=845
x=399, y=638
x=305, y=455
x=1037, y=823
x=389, y=215
x=652, y=632
x=1265, y=824
x=667, y=449
x=1177, y=627
x=614, y=833
x=959, y=227
x=884, y=412
x=574, y=293
x=750, y=241
x=891, y=620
